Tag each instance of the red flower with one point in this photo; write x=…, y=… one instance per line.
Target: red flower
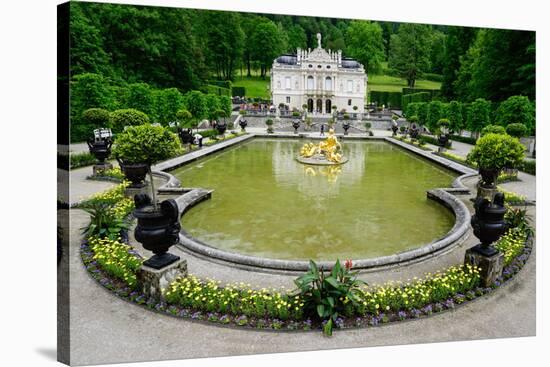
x=348, y=264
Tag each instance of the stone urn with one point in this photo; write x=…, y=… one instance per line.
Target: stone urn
x=101, y=149
x=346, y=125
x=442, y=140
x=488, y=222
x=135, y=172
x=221, y=126
x=243, y=123
x=413, y=131
x=394, y=129
x=296, y=126
x=157, y=230
x=489, y=177
x=185, y=135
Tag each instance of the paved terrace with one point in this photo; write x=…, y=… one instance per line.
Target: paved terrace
x=98, y=317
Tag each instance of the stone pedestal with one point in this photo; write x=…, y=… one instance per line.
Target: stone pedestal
x=97, y=168
x=153, y=281
x=491, y=264
x=484, y=192
x=441, y=150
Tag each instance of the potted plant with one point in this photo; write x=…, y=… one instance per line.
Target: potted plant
x=355, y=108
x=243, y=123
x=138, y=147
x=443, y=136
x=494, y=152
x=221, y=126
x=269, y=123
x=296, y=126
x=488, y=222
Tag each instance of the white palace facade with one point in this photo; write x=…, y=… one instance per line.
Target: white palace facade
x=320, y=79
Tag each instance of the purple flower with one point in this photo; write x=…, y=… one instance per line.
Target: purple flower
x=197, y=315
x=374, y=320
x=415, y=313
x=427, y=309
x=339, y=323
x=449, y=303
x=402, y=315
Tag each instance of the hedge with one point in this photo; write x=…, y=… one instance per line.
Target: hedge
x=413, y=98
x=221, y=83
x=393, y=99
x=238, y=91
x=434, y=93
x=464, y=139
x=529, y=166
x=213, y=89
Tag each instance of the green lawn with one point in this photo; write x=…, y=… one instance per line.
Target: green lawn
x=388, y=83
x=258, y=87
x=255, y=86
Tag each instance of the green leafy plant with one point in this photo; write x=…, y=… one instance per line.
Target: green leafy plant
x=325, y=295
x=517, y=130
x=96, y=118
x=493, y=129
x=127, y=117
x=104, y=222
x=82, y=159
x=146, y=144
x=496, y=151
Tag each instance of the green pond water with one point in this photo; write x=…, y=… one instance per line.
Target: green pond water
x=267, y=204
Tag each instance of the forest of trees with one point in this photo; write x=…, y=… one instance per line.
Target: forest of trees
x=182, y=48
x=186, y=49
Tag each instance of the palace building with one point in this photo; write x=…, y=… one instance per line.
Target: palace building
x=320, y=79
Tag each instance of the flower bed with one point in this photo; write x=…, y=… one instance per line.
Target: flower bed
x=114, y=263
x=419, y=144
x=113, y=175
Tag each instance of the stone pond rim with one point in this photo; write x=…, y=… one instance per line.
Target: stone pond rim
x=444, y=196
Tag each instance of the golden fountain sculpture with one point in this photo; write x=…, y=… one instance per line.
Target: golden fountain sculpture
x=327, y=152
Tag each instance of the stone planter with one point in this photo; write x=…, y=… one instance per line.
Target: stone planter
x=488, y=222
x=221, y=127
x=413, y=132
x=101, y=149
x=157, y=230
x=346, y=125
x=185, y=135
x=296, y=126
x=489, y=177
x=134, y=172
x=443, y=140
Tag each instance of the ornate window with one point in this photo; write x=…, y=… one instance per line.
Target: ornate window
x=287, y=82
x=310, y=83
x=328, y=83
x=350, y=85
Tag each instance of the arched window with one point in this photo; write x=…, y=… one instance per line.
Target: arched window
x=310, y=84
x=328, y=83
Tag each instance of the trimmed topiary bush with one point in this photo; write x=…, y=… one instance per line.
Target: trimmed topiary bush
x=493, y=129
x=517, y=130
x=146, y=144
x=96, y=118
x=127, y=117
x=497, y=151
